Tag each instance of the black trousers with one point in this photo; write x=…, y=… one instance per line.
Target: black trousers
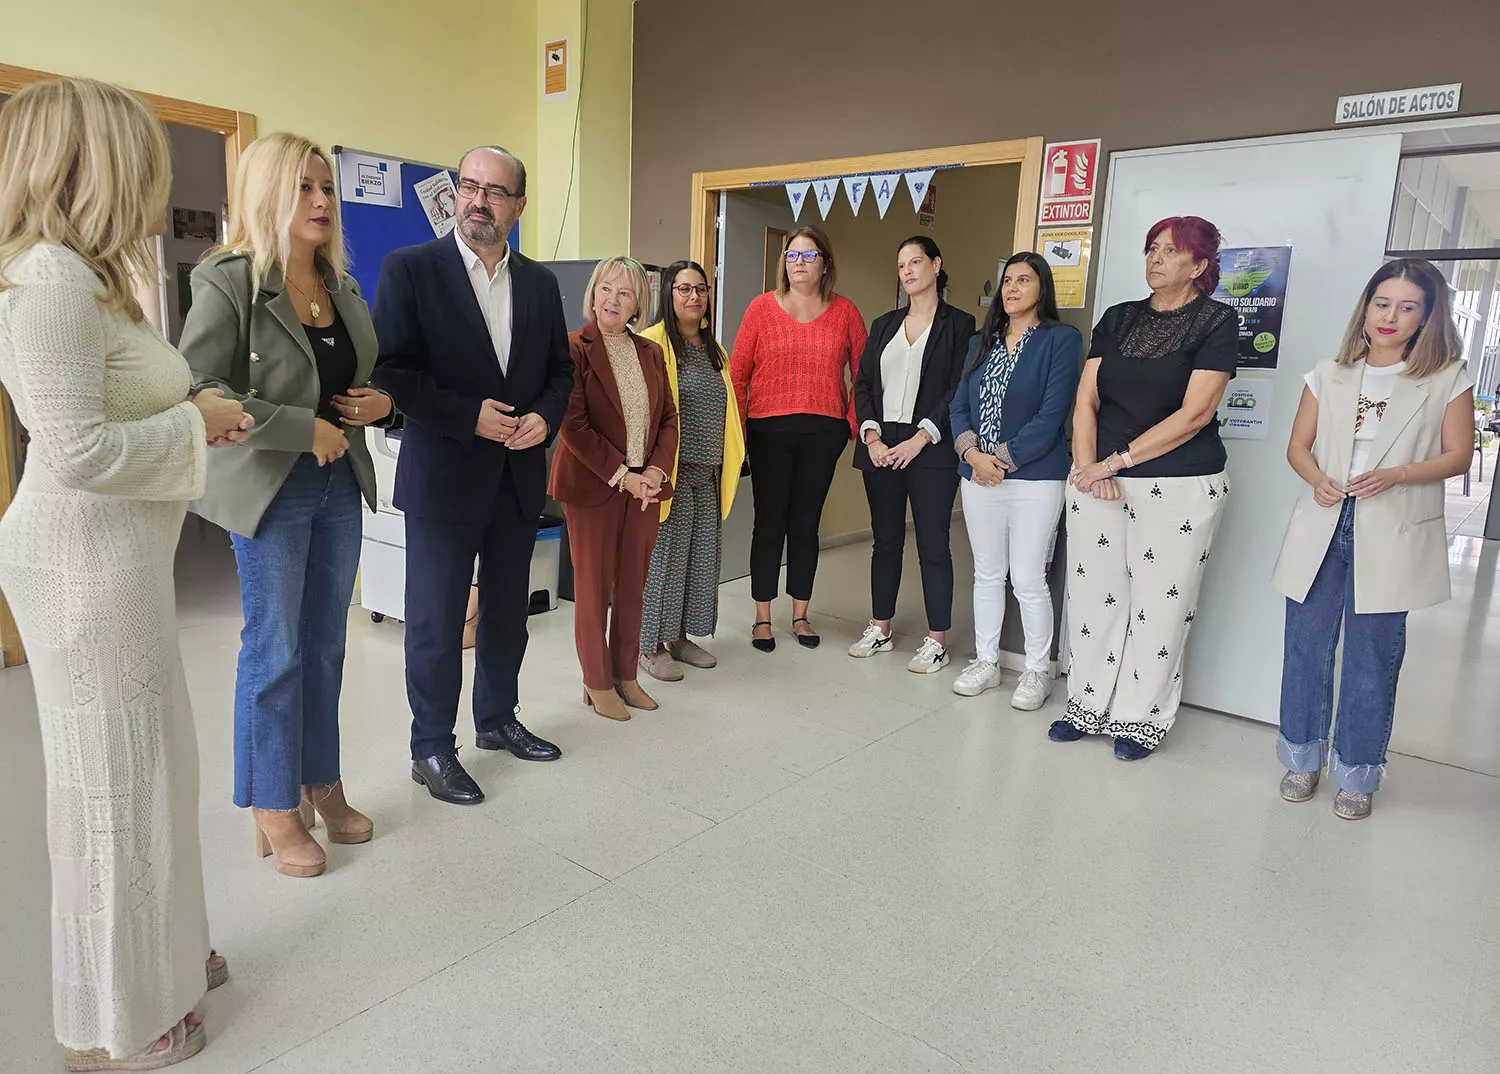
x=792, y=460
x=439, y=570
x=931, y=491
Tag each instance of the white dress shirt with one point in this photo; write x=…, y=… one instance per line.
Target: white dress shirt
x=900, y=378
x=493, y=294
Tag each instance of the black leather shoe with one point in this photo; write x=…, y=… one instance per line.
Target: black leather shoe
x=446, y=780
x=521, y=742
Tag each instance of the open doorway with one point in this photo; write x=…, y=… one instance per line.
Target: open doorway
x=206, y=144
x=980, y=208
x=1446, y=209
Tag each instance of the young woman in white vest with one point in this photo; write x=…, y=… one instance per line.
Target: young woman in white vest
x=1379, y=429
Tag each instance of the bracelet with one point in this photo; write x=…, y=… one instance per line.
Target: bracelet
x=1110, y=466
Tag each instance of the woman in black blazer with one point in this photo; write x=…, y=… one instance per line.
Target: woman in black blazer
x=912, y=362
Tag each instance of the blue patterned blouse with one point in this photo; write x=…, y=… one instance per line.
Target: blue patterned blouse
x=996, y=378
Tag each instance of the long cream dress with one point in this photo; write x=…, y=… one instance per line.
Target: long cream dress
x=86, y=563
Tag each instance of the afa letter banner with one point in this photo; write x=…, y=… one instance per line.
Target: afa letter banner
x=1252, y=279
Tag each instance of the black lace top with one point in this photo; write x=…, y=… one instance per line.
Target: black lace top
x=1147, y=360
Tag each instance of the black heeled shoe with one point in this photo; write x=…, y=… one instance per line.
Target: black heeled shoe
x=765, y=645
x=807, y=641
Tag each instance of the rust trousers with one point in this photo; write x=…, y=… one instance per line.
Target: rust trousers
x=611, y=548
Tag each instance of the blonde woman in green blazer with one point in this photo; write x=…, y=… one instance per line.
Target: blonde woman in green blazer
x=279, y=324
x=682, y=588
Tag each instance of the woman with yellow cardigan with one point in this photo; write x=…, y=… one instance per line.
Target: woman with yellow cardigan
x=682, y=588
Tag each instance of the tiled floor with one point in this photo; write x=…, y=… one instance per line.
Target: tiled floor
x=808, y=863
x=1466, y=512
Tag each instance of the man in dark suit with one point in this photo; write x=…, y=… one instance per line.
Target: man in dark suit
x=474, y=350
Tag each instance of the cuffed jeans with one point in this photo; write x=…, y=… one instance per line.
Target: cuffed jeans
x=1374, y=646
x=296, y=581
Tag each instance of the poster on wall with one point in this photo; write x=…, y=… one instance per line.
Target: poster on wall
x=370, y=180
x=197, y=225
x=439, y=201
x=1066, y=251
x=1245, y=410
x=1252, y=279
x=1070, y=172
x=927, y=211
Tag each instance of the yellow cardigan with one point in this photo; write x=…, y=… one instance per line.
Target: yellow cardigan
x=734, y=434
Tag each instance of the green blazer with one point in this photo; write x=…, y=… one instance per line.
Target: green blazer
x=283, y=395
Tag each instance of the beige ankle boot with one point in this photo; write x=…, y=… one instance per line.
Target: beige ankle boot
x=344, y=823
x=282, y=833
x=636, y=697
x=606, y=703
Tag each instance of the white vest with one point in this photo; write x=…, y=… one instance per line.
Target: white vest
x=1400, y=536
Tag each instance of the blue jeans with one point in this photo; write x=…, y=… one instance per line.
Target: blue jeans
x=1374, y=646
x=296, y=581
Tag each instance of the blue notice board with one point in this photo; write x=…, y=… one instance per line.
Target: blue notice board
x=372, y=231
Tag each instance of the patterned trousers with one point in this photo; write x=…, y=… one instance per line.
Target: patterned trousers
x=1135, y=567
x=682, y=589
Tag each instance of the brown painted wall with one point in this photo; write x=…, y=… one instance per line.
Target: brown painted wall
x=725, y=84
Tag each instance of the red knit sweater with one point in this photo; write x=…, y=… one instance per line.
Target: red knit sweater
x=782, y=366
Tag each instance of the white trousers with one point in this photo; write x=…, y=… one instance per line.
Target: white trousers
x=1134, y=570
x=1012, y=527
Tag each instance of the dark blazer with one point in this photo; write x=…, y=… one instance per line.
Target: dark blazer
x=942, y=365
x=437, y=361
x=283, y=390
x=1036, y=404
x=592, y=443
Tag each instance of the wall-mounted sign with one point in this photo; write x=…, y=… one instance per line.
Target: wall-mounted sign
x=1070, y=171
x=1398, y=104
x=1252, y=279
x=555, y=68
x=1245, y=410
x=370, y=180
x=1066, y=251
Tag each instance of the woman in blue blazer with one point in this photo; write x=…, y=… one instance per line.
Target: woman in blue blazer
x=1007, y=418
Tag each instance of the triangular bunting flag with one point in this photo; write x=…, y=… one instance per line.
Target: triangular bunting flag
x=797, y=193
x=884, y=189
x=854, y=189
x=917, y=182
x=826, y=190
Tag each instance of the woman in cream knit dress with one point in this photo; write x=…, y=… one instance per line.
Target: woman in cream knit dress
x=116, y=450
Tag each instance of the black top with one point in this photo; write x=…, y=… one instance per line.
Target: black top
x=334, y=351
x=1147, y=360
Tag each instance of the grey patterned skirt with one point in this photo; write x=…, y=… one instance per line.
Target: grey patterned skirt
x=682, y=588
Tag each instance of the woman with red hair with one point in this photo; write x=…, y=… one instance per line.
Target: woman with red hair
x=1146, y=491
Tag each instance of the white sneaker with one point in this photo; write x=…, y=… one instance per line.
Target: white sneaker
x=930, y=658
x=1031, y=692
x=979, y=676
x=872, y=641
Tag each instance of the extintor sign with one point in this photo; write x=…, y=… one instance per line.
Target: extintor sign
x=1070, y=172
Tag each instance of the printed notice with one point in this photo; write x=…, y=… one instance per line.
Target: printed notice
x=1245, y=410
x=1066, y=251
x=555, y=68
x=439, y=201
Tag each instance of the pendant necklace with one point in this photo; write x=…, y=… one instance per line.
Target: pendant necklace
x=312, y=303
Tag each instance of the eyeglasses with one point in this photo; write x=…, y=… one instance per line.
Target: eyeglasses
x=807, y=257
x=495, y=195
x=682, y=290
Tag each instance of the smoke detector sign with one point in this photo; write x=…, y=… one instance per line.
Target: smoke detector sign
x=1070, y=171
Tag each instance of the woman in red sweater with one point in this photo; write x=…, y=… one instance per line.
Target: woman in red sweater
x=794, y=358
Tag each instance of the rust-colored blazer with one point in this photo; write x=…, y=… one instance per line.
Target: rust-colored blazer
x=591, y=445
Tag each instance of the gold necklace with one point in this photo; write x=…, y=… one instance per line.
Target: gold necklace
x=312, y=303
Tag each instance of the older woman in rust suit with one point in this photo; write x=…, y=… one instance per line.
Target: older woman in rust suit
x=615, y=451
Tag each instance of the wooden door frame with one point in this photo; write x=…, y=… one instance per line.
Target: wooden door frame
x=238, y=129
x=1027, y=152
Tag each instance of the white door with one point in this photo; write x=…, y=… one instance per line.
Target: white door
x=1329, y=197
x=743, y=220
